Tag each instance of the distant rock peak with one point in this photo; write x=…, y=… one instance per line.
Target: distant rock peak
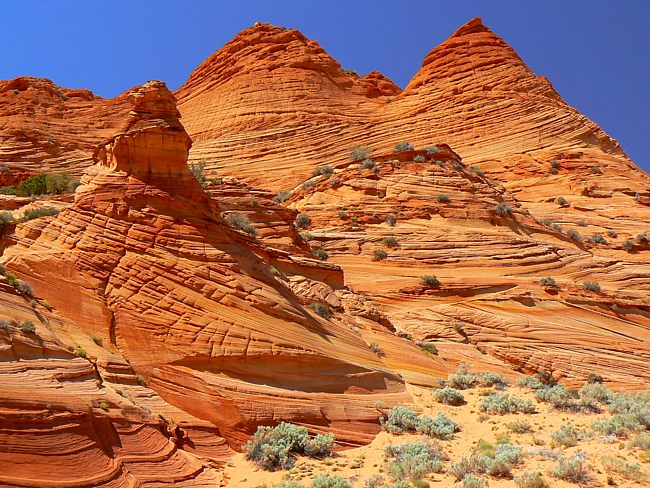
x=474, y=26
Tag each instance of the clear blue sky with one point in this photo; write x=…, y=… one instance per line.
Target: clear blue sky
x=595, y=52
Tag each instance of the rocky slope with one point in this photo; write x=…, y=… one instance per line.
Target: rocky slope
x=172, y=317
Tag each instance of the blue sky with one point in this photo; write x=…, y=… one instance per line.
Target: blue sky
x=594, y=52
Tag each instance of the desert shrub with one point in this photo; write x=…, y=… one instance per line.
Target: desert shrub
x=404, y=146
x=432, y=149
x=4, y=325
x=573, y=234
x=530, y=382
x=391, y=220
x=24, y=288
x=400, y=420
x=376, y=348
x=34, y=185
x=419, y=158
x=487, y=458
x=628, y=245
x=429, y=281
x=11, y=279
x=307, y=236
x=463, y=378
x=531, y=479
x=641, y=441
x=561, y=201
x=320, y=254
x=554, y=163
x=36, y=213
x=473, y=481
x=440, y=426
x=502, y=403
x=520, y=426
x=457, y=166
x=375, y=481
x=321, y=309
x=28, y=327
x=630, y=471
x=81, y=352
x=379, y=255
x=5, y=218
x=642, y=238
x=443, y=198
x=369, y=164
x=359, y=153
x=597, y=170
x=492, y=379
x=478, y=171
x=559, y=396
x=566, y=436
x=274, y=448
x=239, y=221
x=594, y=378
x=548, y=281
x=505, y=457
x=591, y=286
x=630, y=413
x=302, y=221
x=325, y=170
x=413, y=460
x=98, y=340
x=592, y=395
x=598, y=239
x=281, y=197
x=502, y=209
x=581, y=223
x=572, y=469
x=612, y=233
x=449, y=396
x=557, y=228
x=139, y=379
x=428, y=347
x=553, y=171
x=198, y=171
x=329, y=481
x=390, y=241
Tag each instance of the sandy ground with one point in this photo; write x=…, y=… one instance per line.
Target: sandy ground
x=360, y=464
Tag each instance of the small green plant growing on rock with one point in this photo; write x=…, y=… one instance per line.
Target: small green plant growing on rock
x=548, y=281
x=379, y=255
x=239, y=221
x=503, y=209
x=359, y=153
x=325, y=170
x=390, y=241
x=198, y=171
x=591, y=286
x=429, y=281
x=320, y=254
x=597, y=170
x=573, y=234
x=80, y=351
x=478, y=171
x=369, y=164
x=419, y=158
x=404, y=146
x=303, y=221
x=561, y=201
x=28, y=327
x=391, y=220
x=432, y=149
x=321, y=309
x=628, y=245
x=443, y=198
x=282, y=197
x=37, y=213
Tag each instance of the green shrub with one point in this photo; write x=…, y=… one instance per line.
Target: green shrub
x=428, y=347
x=24, y=288
x=520, y=426
x=598, y=239
x=503, y=209
x=379, y=255
x=375, y=481
x=594, y=378
x=432, y=149
x=440, y=426
x=359, y=153
x=11, y=279
x=98, y=340
x=581, y=223
x=325, y=170
x=329, y=481
x=572, y=469
x=573, y=234
x=547, y=281
x=473, y=481
x=419, y=158
x=320, y=254
x=321, y=309
x=282, y=197
x=80, y=351
x=553, y=171
x=559, y=396
x=36, y=213
x=486, y=458
x=303, y=221
x=429, y=281
x=4, y=325
x=630, y=471
x=443, y=198
x=567, y=436
x=275, y=447
x=531, y=479
x=34, y=185
x=457, y=166
x=642, y=238
x=369, y=164
x=505, y=457
x=28, y=327
x=592, y=395
x=449, y=396
x=391, y=220
x=390, y=241
x=376, y=348
x=56, y=184
x=492, y=379
x=502, y=403
x=239, y=221
x=5, y=218
x=591, y=286
x=400, y=420
x=554, y=163
x=641, y=441
x=628, y=245
x=597, y=170
x=463, y=378
x=404, y=146
x=561, y=201
x=530, y=382
x=413, y=460
x=612, y=233
x=478, y=171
